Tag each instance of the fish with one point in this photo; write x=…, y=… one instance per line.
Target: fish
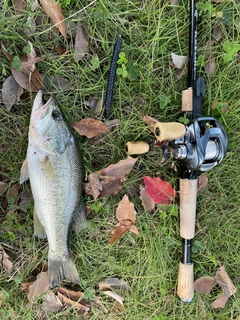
x=54, y=167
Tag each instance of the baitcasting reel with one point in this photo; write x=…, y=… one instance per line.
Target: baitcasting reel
x=200, y=146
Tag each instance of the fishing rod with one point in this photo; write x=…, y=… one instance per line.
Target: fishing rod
x=199, y=146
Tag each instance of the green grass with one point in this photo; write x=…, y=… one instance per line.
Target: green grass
x=150, y=30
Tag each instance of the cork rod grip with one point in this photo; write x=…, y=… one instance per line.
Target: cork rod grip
x=188, y=199
x=138, y=147
x=169, y=130
x=185, y=289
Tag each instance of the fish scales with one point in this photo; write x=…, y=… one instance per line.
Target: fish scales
x=53, y=165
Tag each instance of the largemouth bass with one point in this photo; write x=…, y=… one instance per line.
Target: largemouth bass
x=53, y=166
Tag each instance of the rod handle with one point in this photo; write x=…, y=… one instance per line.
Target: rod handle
x=187, y=100
x=185, y=289
x=188, y=200
x=138, y=147
x=169, y=130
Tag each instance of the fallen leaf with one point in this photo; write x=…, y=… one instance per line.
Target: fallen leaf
x=204, y=285
x=1, y=298
x=150, y=121
x=31, y=82
x=81, y=42
x=90, y=127
x=26, y=198
x=55, y=83
x=5, y=260
x=119, y=169
x=179, y=61
x=202, y=183
x=20, y=7
x=54, y=11
x=110, y=186
x=13, y=192
x=82, y=309
x=3, y=186
x=224, y=281
x=115, y=296
x=117, y=233
x=52, y=303
x=38, y=287
x=30, y=26
x=73, y=295
x=25, y=286
x=95, y=105
x=126, y=216
x=217, y=32
x=112, y=123
x=220, y=302
x=210, y=66
x=11, y=92
x=159, y=190
x=95, y=184
x=174, y=2
x=147, y=201
x=113, y=283
x=125, y=210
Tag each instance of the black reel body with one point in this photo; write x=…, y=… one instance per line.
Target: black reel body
x=202, y=147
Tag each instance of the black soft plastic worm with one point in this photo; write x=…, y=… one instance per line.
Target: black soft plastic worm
x=111, y=77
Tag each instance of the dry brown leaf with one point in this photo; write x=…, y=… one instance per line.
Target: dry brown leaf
x=90, y=127
x=217, y=32
x=82, y=309
x=220, y=302
x=95, y=105
x=20, y=6
x=125, y=210
x=224, y=281
x=11, y=92
x=95, y=184
x=39, y=286
x=55, y=83
x=13, y=192
x=26, y=198
x=5, y=260
x=52, y=303
x=147, y=202
x=3, y=187
x=179, y=61
x=54, y=11
x=134, y=229
x=110, y=186
x=25, y=286
x=119, y=169
x=73, y=295
x=204, y=285
x=112, y=123
x=202, y=183
x=113, y=283
x=115, y=296
x=210, y=66
x=117, y=233
x=1, y=298
x=31, y=82
x=150, y=121
x=81, y=42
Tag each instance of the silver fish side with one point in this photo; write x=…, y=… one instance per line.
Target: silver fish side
x=53, y=165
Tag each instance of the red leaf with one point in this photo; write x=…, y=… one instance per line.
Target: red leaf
x=159, y=190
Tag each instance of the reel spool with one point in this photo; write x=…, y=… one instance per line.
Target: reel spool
x=203, y=145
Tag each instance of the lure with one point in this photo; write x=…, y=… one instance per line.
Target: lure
x=111, y=77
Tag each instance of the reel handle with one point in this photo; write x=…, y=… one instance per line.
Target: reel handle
x=169, y=130
x=188, y=199
x=138, y=147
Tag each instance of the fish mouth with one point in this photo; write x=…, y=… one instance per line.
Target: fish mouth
x=39, y=102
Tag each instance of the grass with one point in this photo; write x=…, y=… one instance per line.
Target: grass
x=150, y=30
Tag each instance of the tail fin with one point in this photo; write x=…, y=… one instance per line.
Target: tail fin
x=60, y=268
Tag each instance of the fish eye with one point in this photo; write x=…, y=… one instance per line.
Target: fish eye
x=56, y=115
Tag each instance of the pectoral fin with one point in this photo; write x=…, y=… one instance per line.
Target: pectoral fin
x=24, y=175
x=39, y=230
